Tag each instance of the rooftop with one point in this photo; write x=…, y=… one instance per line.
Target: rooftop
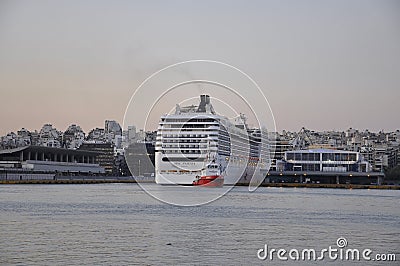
x=47, y=150
x=320, y=151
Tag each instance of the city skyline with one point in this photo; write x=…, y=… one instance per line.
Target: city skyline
x=324, y=66
x=380, y=149
x=138, y=129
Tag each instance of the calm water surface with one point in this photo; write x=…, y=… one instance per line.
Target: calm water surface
x=119, y=224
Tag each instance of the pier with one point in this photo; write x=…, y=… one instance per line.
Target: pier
x=295, y=179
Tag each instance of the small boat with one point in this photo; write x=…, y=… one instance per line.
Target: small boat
x=209, y=181
x=211, y=177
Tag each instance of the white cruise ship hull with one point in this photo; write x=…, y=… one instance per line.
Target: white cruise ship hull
x=185, y=174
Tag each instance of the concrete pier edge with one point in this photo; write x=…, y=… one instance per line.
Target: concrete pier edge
x=274, y=185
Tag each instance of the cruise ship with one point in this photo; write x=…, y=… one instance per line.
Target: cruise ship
x=195, y=143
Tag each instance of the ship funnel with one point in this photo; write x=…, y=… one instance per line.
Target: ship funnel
x=207, y=99
x=205, y=105
x=204, y=100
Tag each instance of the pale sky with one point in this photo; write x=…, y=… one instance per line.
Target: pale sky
x=322, y=64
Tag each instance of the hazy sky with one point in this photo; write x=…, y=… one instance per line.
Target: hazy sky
x=321, y=64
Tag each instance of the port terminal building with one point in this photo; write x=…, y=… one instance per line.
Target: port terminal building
x=324, y=166
x=49, y=160
x=324, y=160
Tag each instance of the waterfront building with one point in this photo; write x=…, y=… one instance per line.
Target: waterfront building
x=47, y=159
x=105, y=152
x=325, y=160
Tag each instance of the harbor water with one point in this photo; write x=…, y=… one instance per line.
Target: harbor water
x=120, y=224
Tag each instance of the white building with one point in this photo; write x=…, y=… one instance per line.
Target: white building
x=325, y=160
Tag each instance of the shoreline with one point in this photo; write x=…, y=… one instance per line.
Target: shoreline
x=277, y=185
